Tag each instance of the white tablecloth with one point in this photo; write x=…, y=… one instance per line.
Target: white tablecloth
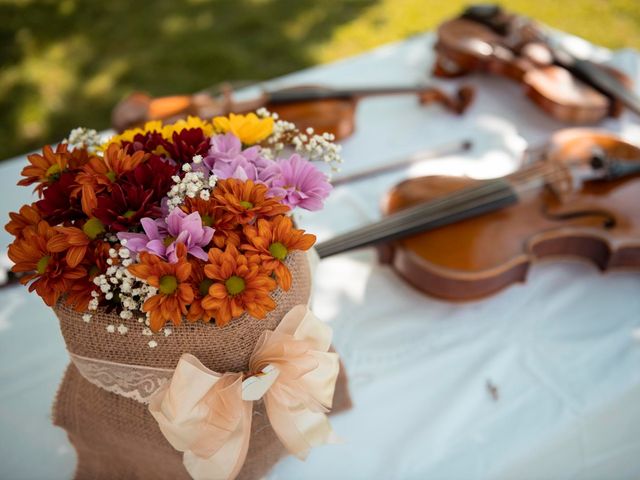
x=560, y=350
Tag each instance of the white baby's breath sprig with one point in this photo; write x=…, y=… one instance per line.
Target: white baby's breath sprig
x=118, y=282
x=194, y=183
x=84, y=138
x=313, y=146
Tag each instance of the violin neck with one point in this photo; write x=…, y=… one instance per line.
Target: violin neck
x=309, y=94
x=488, y=196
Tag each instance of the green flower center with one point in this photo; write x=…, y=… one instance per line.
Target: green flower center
x=168, y=284
x=111, y=175
x=92, y=228
x=246, y=204
x=41, y=266
x=129, y=213
x=168, y=241
x=53, y=172
x=204, y=286
x=235, y=285
x=278, y=250
x=207, y=220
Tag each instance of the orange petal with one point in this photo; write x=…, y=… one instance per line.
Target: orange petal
x=283, y=275
x=75, y=255
x=89, y=200
x=58, y=243
x=156, y=321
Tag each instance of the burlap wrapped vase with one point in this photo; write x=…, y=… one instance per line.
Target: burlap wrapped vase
x=112, y=430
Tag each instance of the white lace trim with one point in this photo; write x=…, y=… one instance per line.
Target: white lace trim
x=131, y=381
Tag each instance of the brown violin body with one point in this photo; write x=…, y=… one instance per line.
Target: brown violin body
x=599, y=221
x=516, y=52
x=307, y=106
x=335, y=115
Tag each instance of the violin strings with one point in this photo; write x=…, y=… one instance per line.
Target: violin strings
x=403, y=220
x=485, y=198
x=490, y=192
x=397, y=220
x=456, y=197
x=332, y=247
x=498, y=198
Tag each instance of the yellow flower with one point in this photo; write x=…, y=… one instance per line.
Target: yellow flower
x=248, y=128
x=128, y=135
x=190, y=122
x=166, y=131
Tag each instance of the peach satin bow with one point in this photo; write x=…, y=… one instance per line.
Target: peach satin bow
x=207, y=415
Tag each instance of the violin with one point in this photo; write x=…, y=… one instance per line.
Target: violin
x=485, y=38
x=323, y=109
x=461, y=239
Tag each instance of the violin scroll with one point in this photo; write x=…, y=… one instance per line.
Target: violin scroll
x=457, y=103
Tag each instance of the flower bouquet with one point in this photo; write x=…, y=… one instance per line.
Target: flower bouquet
x=182, y=285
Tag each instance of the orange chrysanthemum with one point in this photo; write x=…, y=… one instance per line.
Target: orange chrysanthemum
x=272, y=240
x=28, y=217
x=79, y=296
x=45, y=168
x=240, y=284
x=241, y=202
x=101, y=255
x=206, y=209
x=88, y=185
x=75, y=241
x=175, y=292
x=224, y=234
x=78, y=157
x=94, y=263
x=48, y=271
x=115, y=162
x=100, y=172
x=201, y=284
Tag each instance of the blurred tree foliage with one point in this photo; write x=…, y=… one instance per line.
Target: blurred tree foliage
x=65, y=63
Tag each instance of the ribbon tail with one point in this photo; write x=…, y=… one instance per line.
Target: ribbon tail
x=226, y=463
x=202, y=414
x=299, y=429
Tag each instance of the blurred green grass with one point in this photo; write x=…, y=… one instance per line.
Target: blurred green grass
x=65, y=63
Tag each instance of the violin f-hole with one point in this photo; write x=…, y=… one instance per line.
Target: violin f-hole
x=609, y=221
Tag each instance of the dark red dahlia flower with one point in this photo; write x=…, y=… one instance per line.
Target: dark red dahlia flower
x=154, y=175
x=58, y=205
x=146, y=142
x=124, y=208
x=185, y=144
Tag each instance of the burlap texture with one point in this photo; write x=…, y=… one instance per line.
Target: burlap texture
x=116, y=437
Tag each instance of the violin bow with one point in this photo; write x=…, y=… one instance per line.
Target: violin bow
x=417, y=157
